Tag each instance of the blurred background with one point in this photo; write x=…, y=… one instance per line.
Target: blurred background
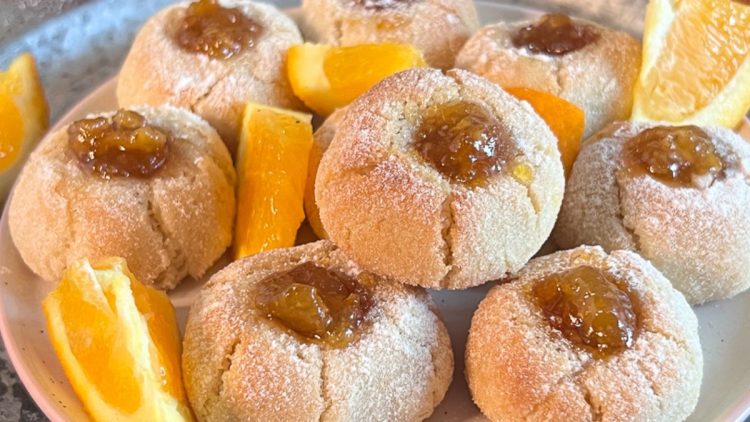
x=78, y=44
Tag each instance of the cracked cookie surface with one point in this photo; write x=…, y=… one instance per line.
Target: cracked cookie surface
x=599, y=78
x=158, y=71
x=410, y=222
x=171, y=224
x=239, y=366
x=697, y=235
x=521, y=368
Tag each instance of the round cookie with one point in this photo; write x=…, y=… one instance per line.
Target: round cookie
x=394, y=212
x=239, y=365
x=157, y=70
x=436, y=27
x=173, y=223
x=698, y=236
x=520, y=368
x=599, y=77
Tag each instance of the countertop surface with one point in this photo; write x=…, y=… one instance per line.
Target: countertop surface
x=80, y=43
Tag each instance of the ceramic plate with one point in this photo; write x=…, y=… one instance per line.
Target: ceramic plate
x=725, y=394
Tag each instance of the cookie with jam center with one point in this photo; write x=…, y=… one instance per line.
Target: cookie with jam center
x=304, y=334
x=439, y=180
x=679, y=196
x=211, y=57
x=436, y=27
x=585, y=335
x=154, y=185
x=591, y=66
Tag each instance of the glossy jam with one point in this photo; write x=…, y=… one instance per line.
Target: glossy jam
x=217, y=31
x=589, y=308
x=319, y=305
x=679, y=156
x=123, y=146
x=464, y=142
x=382, y=4
x=555, y=35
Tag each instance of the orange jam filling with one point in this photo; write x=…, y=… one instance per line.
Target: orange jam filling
x=123, y=146
x=679, y=156
x=554, y=34
x=590, y=309
x=320, y=306
x=217, y=31
x=464, y=142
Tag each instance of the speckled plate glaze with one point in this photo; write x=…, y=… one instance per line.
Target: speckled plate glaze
x=724, y=325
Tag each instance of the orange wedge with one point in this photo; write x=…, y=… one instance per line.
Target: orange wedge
x=24, y=116
x=696, y=63
x=325, y=77
x=118, y=342
x=271, y=172
x=565, y=119
x=307, y=77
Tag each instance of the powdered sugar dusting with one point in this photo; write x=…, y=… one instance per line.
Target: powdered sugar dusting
x=698, y=237
x=405, y=225
x=517, y=365
x=142, y=220
x=598, y=78
x=265, y=373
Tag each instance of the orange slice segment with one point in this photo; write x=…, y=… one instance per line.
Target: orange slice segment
x=565, y=119
x=307, y=77
x=23, y=113
x=352, y=71
x=11, y=131
x=325, y=77
x=272, y=169
x=118, y=343
x=696, y=63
